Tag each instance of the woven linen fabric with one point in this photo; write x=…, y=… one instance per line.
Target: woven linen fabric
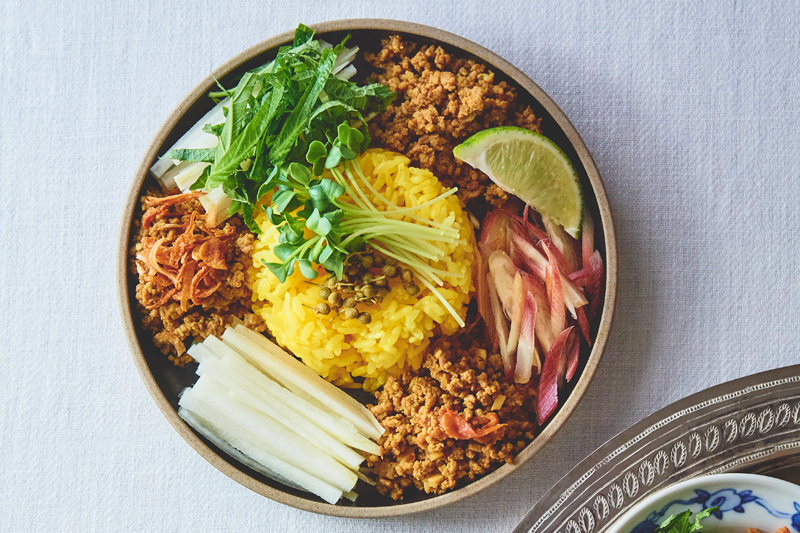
x=690, y=110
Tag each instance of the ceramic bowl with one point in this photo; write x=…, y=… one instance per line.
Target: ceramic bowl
x=165, y=382
x=748, y=425
x=743, y=501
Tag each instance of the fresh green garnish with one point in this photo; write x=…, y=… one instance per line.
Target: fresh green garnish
x=291, y=113
x=341, y=226
x=285, y=124
x=683, y=522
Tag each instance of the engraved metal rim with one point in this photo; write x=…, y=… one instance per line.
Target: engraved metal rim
x=564, y=411
x=752, y=423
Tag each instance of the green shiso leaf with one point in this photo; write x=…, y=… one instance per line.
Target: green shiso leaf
x=236, y=112
x=302, y=35
x=243, y=145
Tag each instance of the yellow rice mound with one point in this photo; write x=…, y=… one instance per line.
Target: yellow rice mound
x=401, y=328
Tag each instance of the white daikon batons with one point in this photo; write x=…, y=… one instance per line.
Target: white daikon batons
x=276, y=350
x=256, y=436
x=245, y=402
x=287, y=373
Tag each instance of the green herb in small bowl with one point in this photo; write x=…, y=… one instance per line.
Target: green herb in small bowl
x=685, y=522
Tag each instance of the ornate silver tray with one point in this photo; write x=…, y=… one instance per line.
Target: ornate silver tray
x=751, y=424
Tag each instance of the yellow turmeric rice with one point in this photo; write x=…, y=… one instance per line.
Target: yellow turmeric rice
x=402, y=325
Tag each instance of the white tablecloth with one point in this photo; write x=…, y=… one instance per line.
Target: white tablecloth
x=689, y=108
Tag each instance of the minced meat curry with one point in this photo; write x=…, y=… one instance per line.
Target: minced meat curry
x=460, y=379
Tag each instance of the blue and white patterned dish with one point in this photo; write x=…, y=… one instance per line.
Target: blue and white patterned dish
x=744, y=501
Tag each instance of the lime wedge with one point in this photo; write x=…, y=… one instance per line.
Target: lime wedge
x=530, y=166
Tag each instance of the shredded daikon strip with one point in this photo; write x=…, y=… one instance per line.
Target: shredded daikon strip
x=204, y=428
x=346, y=73
x=261, y=433
x=229, y=374
x=240, y=404
x=216, y=204
x=285, y=373
x=297, y=407
x=224, y=427
x=294, y=371
x=196, y=137
x=188, y=175
x=199, y=352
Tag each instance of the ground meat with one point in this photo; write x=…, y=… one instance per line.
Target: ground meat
x=458, y=374
x=228, y=248
x=442, y=100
